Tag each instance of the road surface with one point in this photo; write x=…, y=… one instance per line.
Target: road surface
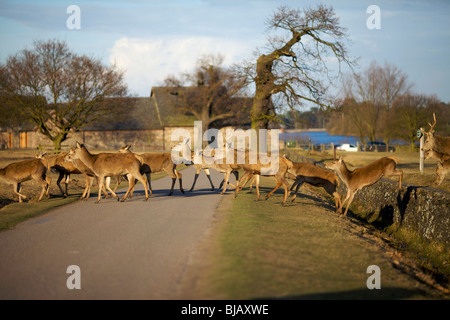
x=129, y=250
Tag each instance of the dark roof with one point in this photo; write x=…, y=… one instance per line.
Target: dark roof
x=126, y=113
x=165, y=100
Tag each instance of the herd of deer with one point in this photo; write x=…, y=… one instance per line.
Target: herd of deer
x=139, y=167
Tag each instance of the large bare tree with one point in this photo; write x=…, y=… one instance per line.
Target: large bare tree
x=58, y=90
x=297, y=65
x=210, y=92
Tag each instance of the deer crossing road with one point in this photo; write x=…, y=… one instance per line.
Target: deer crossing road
x=129, y=250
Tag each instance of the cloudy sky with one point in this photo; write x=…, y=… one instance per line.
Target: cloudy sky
x=155, y=38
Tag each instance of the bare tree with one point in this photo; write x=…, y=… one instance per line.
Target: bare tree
x=298, y=60
x=58, y=90
x=373, y=90
x=210, y=93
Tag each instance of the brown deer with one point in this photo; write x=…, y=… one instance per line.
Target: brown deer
x=315, y=176
x=156, y=163
x=209, y=162
x=63, y=167
x=88, y=175
x=365, y=176
x=111, y=165
x=442, y=167
x=18, y=172
x=434, y=141
x=258, y=169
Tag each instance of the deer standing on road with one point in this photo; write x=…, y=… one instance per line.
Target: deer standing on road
x=111, y=165
x=365, y=176
x=157, y=162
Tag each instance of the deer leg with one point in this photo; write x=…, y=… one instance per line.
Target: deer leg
x=240, y=185
x=129, y=177
x=345, y=200
x=349, y=202
x=251, y=182
x=179, y=176
x=337, y=200
x=298, y=183
x=17, y=187
x=236, y=175
x=118, y=181
x=173, y=184
x=149, y=181
x=209, y=178
x=108, y=181
x=286, y=191
x=87, y=182
x=274, y=189
x=195, y=180
x=131, y=185
x=49, y=180
x=58, y=183
x=41, y=180
x=227, y=176
x=143, y=180
x=100, y=188
x=66, y=182
x=257, y=187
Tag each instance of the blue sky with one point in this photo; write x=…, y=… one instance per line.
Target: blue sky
x=153, y=39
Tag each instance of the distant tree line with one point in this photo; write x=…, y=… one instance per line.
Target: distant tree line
x=377, y=104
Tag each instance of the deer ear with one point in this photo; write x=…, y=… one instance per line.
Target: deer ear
x=340, y=159
x=78, y=145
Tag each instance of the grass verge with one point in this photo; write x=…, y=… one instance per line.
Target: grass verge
x=15, y=213
x=303, y=250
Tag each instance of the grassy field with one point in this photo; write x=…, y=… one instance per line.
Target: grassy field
x=303, y=250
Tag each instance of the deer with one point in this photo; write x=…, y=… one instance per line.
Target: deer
x=434, y=141
x=156, y=163
x=110, y=165
x=209, y=162
x=18, y=172
x=63, y=167
x=304, y=172
x=365, y=176
x=259, y=169
x=88, y=175
x=442, y=167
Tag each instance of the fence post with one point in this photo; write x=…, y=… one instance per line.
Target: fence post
x=334, y=151
x=421, y=153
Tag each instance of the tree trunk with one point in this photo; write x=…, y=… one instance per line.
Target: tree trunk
x=58, y=139
x=262, y=108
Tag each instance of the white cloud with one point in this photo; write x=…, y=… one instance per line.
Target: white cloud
x=147, y=62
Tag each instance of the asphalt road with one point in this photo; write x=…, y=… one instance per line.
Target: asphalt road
x=129, y=250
